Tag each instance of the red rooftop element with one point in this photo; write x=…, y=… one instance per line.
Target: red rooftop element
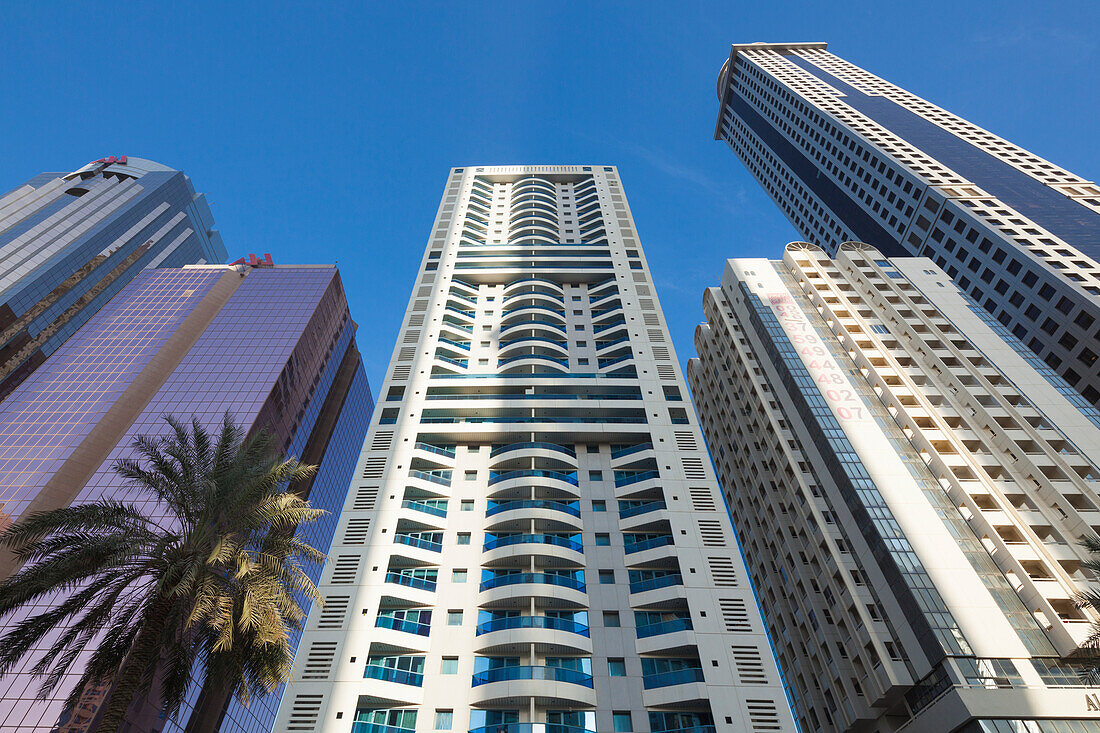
x=255, y=261
x=121, y=159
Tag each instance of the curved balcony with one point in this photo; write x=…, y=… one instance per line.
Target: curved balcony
x=534, y=310
x=527, y=728
x=515, y=590
x=531, y=217
x=549, y=635
x=409, y=581
x=540, y=341
x=532, y=298
x=532, y=539
x=534, y=475
x=552, y=685
x=510, y=448
x=534, y=183
x=532, y=323
x=537, y=508
x=542, y=281
x=400, y=624
x=389, y=674
x=537, y=289
x=532, y=203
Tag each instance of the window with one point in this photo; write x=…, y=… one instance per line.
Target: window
x=611, y=619
x=599, y=505
x=582, y=361
x=443, y=719
x=603, y=539
x=607, y=577
x=474, y=449
x=616, y=667
x=470, y=476
x=622, y=721
x=595, y=475
x=592, y=449
x=463, y=538
x=454, y=616
x=466, y=505
x=449, y=665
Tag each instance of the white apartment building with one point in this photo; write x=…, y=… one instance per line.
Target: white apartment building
x=909, y=483
x=535, y=541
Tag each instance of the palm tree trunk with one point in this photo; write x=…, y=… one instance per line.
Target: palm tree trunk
x=206, y=717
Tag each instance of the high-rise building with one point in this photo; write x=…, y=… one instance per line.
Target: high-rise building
x=534, y=540
x=272, y=345
x=71, y=241
x=909, y=483
x=849, y=156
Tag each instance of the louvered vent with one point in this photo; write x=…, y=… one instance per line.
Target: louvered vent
x=365, y=498
x=651, y=319
x=711, y=532
x=666, y=371
x=319, y=660
x=762, y=715
x=382, y=440
x=661, y=353
x=374, y=467
x=345, y=570
x=417, y=320
x=304, y=713
x=645, y=304
x=750, y=666
x=702, y=500
x=424, y=292
x=657, y=335
x=722, y=572
x=421, y=305
x=406, y=353
x=332, y=617
x=693, y=468
x=734, y=615
x=357, y=531
x=639, y=277
x=428, y=278
x=411, y=336
x=685, y=440
x=401, y=372
x=642, y=289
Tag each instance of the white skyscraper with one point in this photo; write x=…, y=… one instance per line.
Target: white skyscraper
x=909, y=483
x=535, y=540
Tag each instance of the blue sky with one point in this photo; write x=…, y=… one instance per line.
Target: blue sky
x=324, y=133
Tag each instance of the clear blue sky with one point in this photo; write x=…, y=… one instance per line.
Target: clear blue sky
x=324, y=134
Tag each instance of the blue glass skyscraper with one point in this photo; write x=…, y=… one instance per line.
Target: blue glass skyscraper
x=850, y=156
x=71, y=241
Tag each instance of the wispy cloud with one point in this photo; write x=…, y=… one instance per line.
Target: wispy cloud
x=1078, y=40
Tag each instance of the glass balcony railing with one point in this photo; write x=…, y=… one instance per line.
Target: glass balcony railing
x=508, y=311
x=648, y=544
x=426, y=508
x=623, y=478
x=457, y=362
x=497, y=450
x=443, y=478
x=400, y=624
x=389, y=674
x=543, y=674
x=535, y=322
x=569, y=478
x=604, y=363
x=665, y=627
x=532, y=539
x=663, y=581
x=464, y=345
x=604, y=326
x=365, y=727
x=445, y=452
x=532, y=622
x=532, y=728
x=410, y=581
x=538, y=339
x=646, y=508
x=630, y=450
x=420, y=542
x=605, y=344
x=540, y=357
x=557, y=506
x=677, y=677
x=455, y=420
x=563, y=581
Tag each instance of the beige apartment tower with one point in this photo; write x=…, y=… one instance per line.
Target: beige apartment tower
x=909, y=483
x=535, y=541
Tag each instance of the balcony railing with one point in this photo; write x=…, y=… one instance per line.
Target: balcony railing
x=543, y=674
x=540, y=339
x=410, y=581
x=532, y=539
x=457, y=362
x=637, y=509
x=569, y=478
x=542, y=357
x=664, y=627
x=604, y=363
x=361, y=726
x=626, y=479
x=388, y=674
x=631, y=450
x=497, y=450
x=426, y=508
x=649, y=544
x=534, y=728
x=532, y=622
x=400, y=624
x=465, y=346
x=536, y=322
x=443, y=478
x=419, y=542
x=446, y=452
x=677, y=677
x=563, y=581
x=557, y=506
x=663, y=581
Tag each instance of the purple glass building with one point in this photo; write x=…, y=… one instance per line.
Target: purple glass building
x=273, y=345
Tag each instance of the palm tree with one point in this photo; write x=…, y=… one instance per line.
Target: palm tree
x=206, y=568
x=1090, y=598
